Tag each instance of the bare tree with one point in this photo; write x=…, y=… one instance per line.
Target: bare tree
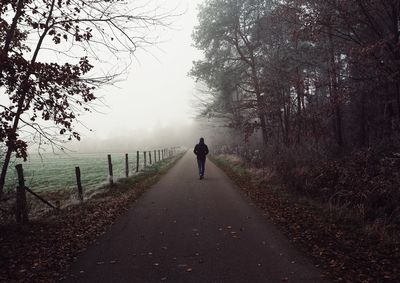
x=41, y=89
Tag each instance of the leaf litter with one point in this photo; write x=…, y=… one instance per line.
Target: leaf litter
x=43, y=250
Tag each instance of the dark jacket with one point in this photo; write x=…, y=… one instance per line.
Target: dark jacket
x=201, y=150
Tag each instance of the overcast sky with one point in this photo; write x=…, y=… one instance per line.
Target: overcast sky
x=157, y=91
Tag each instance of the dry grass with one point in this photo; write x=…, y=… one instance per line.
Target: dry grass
x=333, y=234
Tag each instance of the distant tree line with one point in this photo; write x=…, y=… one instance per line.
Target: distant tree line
x=311, y=73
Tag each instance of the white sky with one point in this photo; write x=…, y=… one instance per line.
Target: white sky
x=157, y=91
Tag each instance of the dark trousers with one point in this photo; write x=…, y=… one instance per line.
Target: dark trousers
x=201, y=162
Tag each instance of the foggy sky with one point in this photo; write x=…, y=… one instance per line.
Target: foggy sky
x=156, y=94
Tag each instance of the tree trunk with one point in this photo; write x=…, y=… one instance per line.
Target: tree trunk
x=398, y=101
x=261, y=111
x=10, y=146
x=263, y=128
x=333, y=76
x=4, y=170
x=300, y=95
x=6, y=49
x=11, y=31
x=363, y=130
x=22, y=90
x=283, y=119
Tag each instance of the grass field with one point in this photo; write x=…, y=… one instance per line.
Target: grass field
x=56, y=172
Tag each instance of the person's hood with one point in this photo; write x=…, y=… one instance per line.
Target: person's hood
x=201, y=140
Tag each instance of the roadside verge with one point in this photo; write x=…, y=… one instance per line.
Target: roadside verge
x=42, y=250
x=343, y=250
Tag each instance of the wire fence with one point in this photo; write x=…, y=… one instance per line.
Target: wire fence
x=76, y=174
x=57, y=172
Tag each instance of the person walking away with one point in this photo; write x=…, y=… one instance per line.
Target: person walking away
x=201, y=151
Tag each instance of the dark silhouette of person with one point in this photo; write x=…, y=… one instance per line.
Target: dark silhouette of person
x=201, y=151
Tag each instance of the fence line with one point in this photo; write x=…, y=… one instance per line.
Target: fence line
x=110, y=170
x=126, y=165
x=79, y=183
x=21, y=212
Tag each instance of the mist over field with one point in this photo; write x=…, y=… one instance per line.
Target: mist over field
x=186, y=135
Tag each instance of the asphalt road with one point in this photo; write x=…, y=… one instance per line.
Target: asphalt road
x=190, y=230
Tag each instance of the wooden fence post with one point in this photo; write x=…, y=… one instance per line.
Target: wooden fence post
x=145, y=158
x=137, y=161
x=155, y=156
x=159, y=156
x=79, y=183
x=126, y=165
x=21, y=207
x=150, y=157
x=110, y=170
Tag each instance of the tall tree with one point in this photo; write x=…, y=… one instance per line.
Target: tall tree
x=315, y=72
x=225, y=34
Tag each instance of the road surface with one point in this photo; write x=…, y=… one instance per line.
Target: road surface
x=189, y=230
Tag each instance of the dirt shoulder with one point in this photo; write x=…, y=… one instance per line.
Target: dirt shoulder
x=43, y=250
x=342, y=249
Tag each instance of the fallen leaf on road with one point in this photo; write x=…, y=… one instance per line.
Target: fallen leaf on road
x=189, y=270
